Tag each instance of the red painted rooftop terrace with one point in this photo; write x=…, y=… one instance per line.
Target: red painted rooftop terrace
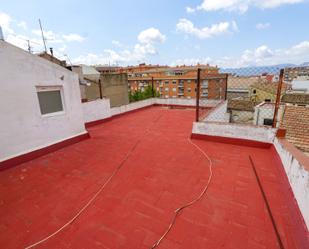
x=124, y=183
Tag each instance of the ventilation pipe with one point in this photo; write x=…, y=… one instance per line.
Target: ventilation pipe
x=1, y=35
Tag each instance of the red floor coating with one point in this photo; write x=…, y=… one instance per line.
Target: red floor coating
x=163, y=172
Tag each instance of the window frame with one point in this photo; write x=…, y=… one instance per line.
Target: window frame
x=51, y=89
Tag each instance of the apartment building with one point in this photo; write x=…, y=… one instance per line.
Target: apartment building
x=180, y=81
x=142, y=67
x=293, y=73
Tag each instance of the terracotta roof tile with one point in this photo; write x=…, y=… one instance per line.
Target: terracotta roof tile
x=241, y=105
x=296, y=123
x=296, y=98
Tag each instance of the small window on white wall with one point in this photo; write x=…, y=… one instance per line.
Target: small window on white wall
x=50, y=100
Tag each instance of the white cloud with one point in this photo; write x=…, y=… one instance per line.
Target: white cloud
x=190, y=10
x=261, y=26
x=73, y=38
x=192, y=61
x=117, y=43
x=187, y=27
x=260, y=56
x=235, y=26
x=22, y=25
x=145, y=47
x=50, y=36
x=17, y=33
x=5, y=22
x=151, y=35
x=243, y=5
x=299, y=49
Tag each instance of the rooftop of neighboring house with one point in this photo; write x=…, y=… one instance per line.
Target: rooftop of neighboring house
x=296, y=98
x=295, y=121
x=242, y=82
x=107, y=69
x=86, y=73
x=240, y=105
x=52, y=58
x=270, y=87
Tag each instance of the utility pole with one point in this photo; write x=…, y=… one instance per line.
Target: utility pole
x=278, y=98
x=198, y=95
x=44, y=40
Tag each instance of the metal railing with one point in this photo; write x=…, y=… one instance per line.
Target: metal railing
x=252, y=96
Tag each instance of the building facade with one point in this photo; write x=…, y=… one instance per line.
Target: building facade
x=39, y=101
x=293, y=73
x=180, y=82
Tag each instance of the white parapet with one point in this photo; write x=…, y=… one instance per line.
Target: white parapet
x=298, y=175
x=239, y=131
x=96, y=110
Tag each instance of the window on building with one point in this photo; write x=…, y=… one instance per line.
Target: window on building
x=174, y=89
x=268, y=121
x=50, y=100
x=268, y=100
x=166, y=89
x=188, y=81
x=174, y=82
x=205, y=83
x=189, y=90
x=254, y=91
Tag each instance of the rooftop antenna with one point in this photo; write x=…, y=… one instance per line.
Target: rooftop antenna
x=68, y=59
x=43, y=38
x=29, y=46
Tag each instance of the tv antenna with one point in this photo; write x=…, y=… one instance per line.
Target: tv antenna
x=29, y=46
x=43, y=38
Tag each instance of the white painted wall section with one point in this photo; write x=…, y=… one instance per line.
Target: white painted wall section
x=219, y=113
x=249, y=132
x=96, y=110
x=132, y=106
x=100, y=109
x=186, y=102
x=298, y=177
x=22, y=127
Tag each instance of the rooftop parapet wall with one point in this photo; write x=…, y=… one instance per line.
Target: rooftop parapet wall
x=235, y=131
x=296, y=167
x=100, y=109
x=96, y=110
x=219, y=113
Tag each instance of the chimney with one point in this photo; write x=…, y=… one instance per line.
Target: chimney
x=51, y=51
x=1, y=35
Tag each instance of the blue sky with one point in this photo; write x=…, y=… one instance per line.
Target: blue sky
x=228, y=33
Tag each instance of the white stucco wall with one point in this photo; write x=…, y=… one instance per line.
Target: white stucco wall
x=132, y=106
x=96, y=110
x=186, y=102
x=266, y=111
x=22, y=127
x=298, y=177
x=100, y=109
x=249, y=132
x=219, y=113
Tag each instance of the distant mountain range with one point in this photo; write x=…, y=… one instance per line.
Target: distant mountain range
x=247, y=71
